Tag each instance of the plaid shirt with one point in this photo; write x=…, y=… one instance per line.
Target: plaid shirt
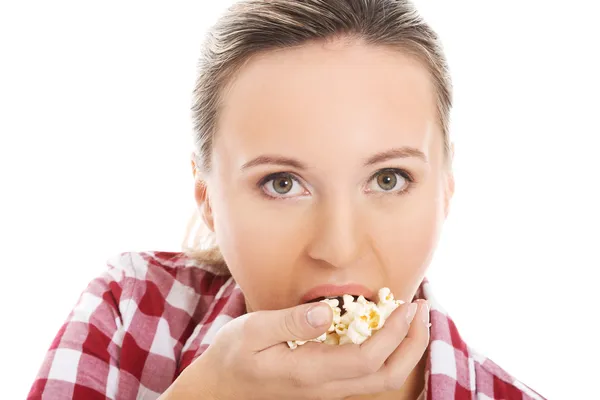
x=137, y=327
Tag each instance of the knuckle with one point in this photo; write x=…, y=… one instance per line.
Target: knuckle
x=394, y=380
x=249, y=326
x=229, y=328
x=247, y=322
x=291, y=325
x=397, y=322
x=369, y=363
x=372, y=365
x=402, y=323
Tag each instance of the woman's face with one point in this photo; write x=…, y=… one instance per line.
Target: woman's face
x=328, y=169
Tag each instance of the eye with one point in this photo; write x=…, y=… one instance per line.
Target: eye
x=389, y=180
x=282, y=185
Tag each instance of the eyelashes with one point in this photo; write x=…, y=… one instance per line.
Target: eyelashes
x=282, y=185
x=386, y=180
x=286, y=185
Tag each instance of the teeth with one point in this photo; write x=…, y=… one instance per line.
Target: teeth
x=339, y=298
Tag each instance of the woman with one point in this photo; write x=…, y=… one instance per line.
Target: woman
x=323, y=167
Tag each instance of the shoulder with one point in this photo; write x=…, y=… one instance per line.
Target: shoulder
x=153, y=280
x=496, y=383
x=456, y=370
x=145, y=306
x=161, y=267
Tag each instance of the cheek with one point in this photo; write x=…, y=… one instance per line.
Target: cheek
x=406, y=239
x=260, y=243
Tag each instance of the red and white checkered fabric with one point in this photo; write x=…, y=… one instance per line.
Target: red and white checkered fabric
x=151, y=314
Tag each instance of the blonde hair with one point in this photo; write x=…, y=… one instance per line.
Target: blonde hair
x=250, y=27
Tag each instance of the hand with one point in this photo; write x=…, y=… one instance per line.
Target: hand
x=249, y=358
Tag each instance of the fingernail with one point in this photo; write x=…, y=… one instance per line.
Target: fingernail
x=410, y=313
x=425, y=313
x=318, y=316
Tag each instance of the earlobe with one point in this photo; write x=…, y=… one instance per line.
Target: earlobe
x=203, y=201
x=201, y=196
x=194, y=168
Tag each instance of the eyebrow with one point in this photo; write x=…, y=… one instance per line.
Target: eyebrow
x=399, y=152
x=274, y=160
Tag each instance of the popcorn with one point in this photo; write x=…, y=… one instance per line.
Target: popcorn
x=387, y=303
x=359, y=330
x=332, y=339
x=360, y=320
x=334, y=303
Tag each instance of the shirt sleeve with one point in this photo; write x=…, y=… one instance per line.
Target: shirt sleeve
x=83, y=359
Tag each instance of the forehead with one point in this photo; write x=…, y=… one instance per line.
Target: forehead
x=320, y=95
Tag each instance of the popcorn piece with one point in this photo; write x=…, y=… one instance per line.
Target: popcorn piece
x=359, y=330
x=341, y=329
x=366, y=319
x=332, y=339
x=385, y=295
x=321, y=338
x=333, y=303
x=360, y=320
x=345, y=339
x=387, y=304
x=347, y=319
x=295, y=343
x=349, y=304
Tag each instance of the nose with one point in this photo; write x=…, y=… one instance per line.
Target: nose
x=339, y=238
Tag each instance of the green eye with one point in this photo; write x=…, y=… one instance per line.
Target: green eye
x=283, y=185
x=387, y=180
x=390, y=180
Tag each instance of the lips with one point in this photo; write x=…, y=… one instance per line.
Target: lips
x=337, y=291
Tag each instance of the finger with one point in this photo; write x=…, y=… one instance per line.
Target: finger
x=264, y=329
x=397, y=367
x=410, y=351
x=384, y=342
x=351, y=360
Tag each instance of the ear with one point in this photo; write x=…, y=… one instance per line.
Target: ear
x=201, y=196
x=449, y=189
x=203, y=201
x=193, y=160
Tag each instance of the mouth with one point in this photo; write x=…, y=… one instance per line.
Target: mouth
x=330, y=291
x=340, y=299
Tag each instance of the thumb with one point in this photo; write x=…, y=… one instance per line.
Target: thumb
x=303, y=322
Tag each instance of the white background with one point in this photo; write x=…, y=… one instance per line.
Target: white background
x=94, y=160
